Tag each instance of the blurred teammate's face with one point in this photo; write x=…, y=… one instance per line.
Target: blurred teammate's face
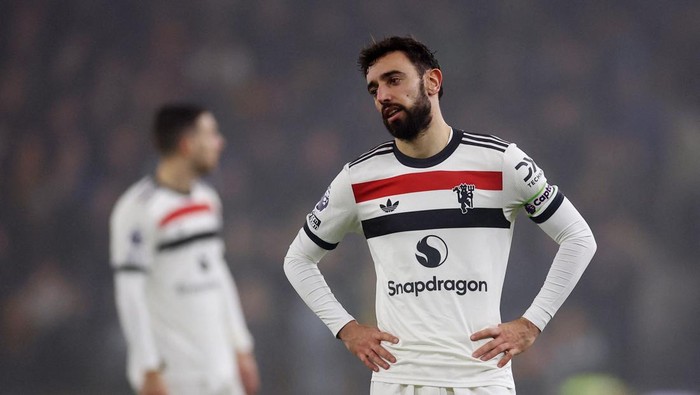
x=205, y=144
x=399, y=95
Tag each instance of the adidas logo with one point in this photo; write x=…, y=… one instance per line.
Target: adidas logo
x=389, y=207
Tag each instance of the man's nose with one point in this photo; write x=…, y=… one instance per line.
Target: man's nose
x=383, y=95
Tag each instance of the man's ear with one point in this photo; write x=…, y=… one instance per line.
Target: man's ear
x=184, y=145
x=433, y=81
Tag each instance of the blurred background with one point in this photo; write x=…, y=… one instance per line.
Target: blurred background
x=603, y=95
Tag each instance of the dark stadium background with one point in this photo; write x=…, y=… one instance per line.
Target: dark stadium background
x=604, y=96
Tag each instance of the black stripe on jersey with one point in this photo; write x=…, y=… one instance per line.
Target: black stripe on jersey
x=487, y=137
x=319, y=242
x=381, y=149
x=484, y=141
x=550, y=210
x=130, y=268
x=435, y=219
x=465, y=142
x=185, y=240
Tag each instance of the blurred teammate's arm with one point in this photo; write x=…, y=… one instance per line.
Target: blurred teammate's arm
x=136, y=324
x=241, y=338
x=248, y=369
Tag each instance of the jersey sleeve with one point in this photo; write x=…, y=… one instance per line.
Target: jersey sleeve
x=331, y=219
x=525, y=186
x=576, y=249
x=334, y=215
x=132, y=247
x=132, y=237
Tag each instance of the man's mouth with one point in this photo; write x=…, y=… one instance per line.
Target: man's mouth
x=390, y=112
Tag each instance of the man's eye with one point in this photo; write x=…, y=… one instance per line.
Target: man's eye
x=394, y=80
x=373, y=92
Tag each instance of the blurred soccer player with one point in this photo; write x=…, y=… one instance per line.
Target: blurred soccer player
x=437, y=206
x=177, y=302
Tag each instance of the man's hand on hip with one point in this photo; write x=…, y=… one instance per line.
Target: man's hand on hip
x=510, y=338
x=365, y=343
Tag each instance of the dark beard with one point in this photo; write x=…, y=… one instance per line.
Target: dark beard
x=416, y=120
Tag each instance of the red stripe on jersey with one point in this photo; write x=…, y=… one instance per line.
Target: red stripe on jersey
x=427, y=181
x=182, y=211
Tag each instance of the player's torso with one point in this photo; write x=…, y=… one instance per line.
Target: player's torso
x=187, y=238
x=440, y=243
x=186, y=291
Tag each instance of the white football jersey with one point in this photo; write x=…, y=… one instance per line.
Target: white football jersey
x=172, y=242
x=439, y=231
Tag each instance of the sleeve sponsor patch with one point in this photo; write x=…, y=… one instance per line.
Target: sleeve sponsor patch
x=541, y=200
x=531, y=174
x=313, y=221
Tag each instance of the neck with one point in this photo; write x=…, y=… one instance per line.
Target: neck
x=175, y=174
x=429, y=142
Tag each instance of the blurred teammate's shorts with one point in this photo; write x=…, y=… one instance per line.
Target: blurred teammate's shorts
x=379, y=388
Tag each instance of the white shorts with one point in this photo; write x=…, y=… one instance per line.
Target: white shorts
x=184, y=387
x=380, y=388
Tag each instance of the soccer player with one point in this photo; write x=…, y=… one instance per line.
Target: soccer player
x=437, y=206
x=176, y=299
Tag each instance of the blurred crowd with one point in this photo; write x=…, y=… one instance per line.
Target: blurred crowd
x=603, y=95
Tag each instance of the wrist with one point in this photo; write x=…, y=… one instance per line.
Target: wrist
x=342, y=333
x=532, y=328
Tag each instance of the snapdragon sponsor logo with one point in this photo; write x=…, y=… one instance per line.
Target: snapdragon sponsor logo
x=431, y=252
x=461, y=287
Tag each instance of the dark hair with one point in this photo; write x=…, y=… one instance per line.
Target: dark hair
x=419, y=54
x=170, y=123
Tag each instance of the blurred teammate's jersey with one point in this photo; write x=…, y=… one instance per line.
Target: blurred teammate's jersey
x=174, y=240
x=439, y=231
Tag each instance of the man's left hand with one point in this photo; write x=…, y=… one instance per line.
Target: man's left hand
x=509, y=338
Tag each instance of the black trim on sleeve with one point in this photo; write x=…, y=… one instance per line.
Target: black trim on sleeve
x=130, y=268
x=550, y=210
x=323, y=244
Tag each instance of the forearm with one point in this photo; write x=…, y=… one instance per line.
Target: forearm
x=576, y=248
x=240, y=335
x=301, y=268
x=135, y=321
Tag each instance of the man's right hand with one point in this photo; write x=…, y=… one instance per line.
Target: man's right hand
x=153, y=384
x=365, y=343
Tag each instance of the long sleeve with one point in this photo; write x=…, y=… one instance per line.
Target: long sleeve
x=136, y=324
x=301, y=268
x=576, y=248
